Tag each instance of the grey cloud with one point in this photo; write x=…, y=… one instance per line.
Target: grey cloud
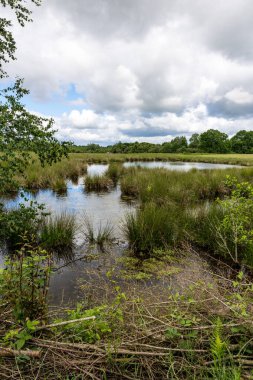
x=128, y=19
x=229, y=109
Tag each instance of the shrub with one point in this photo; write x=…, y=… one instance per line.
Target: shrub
x=24, y=282
x=20, y=224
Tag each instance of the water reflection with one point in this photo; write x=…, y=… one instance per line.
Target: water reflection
x=178, y=166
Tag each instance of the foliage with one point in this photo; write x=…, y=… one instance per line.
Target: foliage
x=235, y=230
x=242, y=142
x=7, y=42
x=214, y=141
x=17, y=338
x=21, y=132
x=24, y=282
x=20, y=224
x=107, y=319
x=211, y=141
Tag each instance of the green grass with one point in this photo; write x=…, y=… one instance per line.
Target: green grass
x=114, y=172
x=100, y=236
x=36, y=177
x=161, y=185
x=55, y=176
x=154, y=227
x=178, y=208
x=233, y=159
x=97, y=183
x=58, y=233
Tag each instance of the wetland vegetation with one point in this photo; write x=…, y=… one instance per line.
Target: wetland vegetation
x=165, y=291
x=116, y=271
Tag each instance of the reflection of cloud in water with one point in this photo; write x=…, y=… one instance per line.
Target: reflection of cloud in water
x=178, y=166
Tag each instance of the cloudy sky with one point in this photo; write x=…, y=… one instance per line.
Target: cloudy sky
x=139, y=70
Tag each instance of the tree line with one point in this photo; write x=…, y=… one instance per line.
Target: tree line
x=211, y=141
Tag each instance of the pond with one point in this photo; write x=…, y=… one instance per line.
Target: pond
x=88, y=264
x=177, y=165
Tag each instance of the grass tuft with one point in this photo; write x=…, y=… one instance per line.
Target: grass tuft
x=58, y=233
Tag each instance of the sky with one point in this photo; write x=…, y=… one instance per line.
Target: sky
x=138, y=70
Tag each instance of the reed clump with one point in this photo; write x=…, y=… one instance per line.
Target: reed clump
x=114, y=172
x=102, y=235
x=54, y=176
x=98, y=183
x=58, y=233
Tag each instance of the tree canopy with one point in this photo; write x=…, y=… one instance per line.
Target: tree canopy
x=211, y=141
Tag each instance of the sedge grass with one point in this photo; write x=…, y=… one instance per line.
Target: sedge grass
x=58, y=233
x=98, y=183
x=100, y=236
x=54, y=176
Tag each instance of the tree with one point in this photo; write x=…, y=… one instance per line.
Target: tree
x=214, y=141
x=21, y=133
x=242, y=142
x=178, y=144
x=194, y=141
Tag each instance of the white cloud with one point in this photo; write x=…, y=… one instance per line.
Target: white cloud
x=239, y=96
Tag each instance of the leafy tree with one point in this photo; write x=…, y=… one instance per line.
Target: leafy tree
x=214, y=141
x=179, y=144
x=242, y=142
x=21, y=133
x=194, y=141
x=7, y=42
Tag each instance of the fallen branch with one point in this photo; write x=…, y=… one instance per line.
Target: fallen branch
x=8, y=352
x=46, y=327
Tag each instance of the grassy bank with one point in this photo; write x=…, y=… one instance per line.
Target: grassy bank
x=55, y=176
x=234, y=159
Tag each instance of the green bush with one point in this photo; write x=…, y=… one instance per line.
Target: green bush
x=24, y=282
x=20, y=224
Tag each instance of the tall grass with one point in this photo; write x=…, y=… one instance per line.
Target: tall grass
x=161, y=185
x=101, y=236
x=97, y=183
x=233, y=159
x=154, y=227
x=54, y=176
x=114, y=172
x=58, y=233
x=179, y=207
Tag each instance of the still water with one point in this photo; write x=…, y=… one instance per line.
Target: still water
x=178, y=166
